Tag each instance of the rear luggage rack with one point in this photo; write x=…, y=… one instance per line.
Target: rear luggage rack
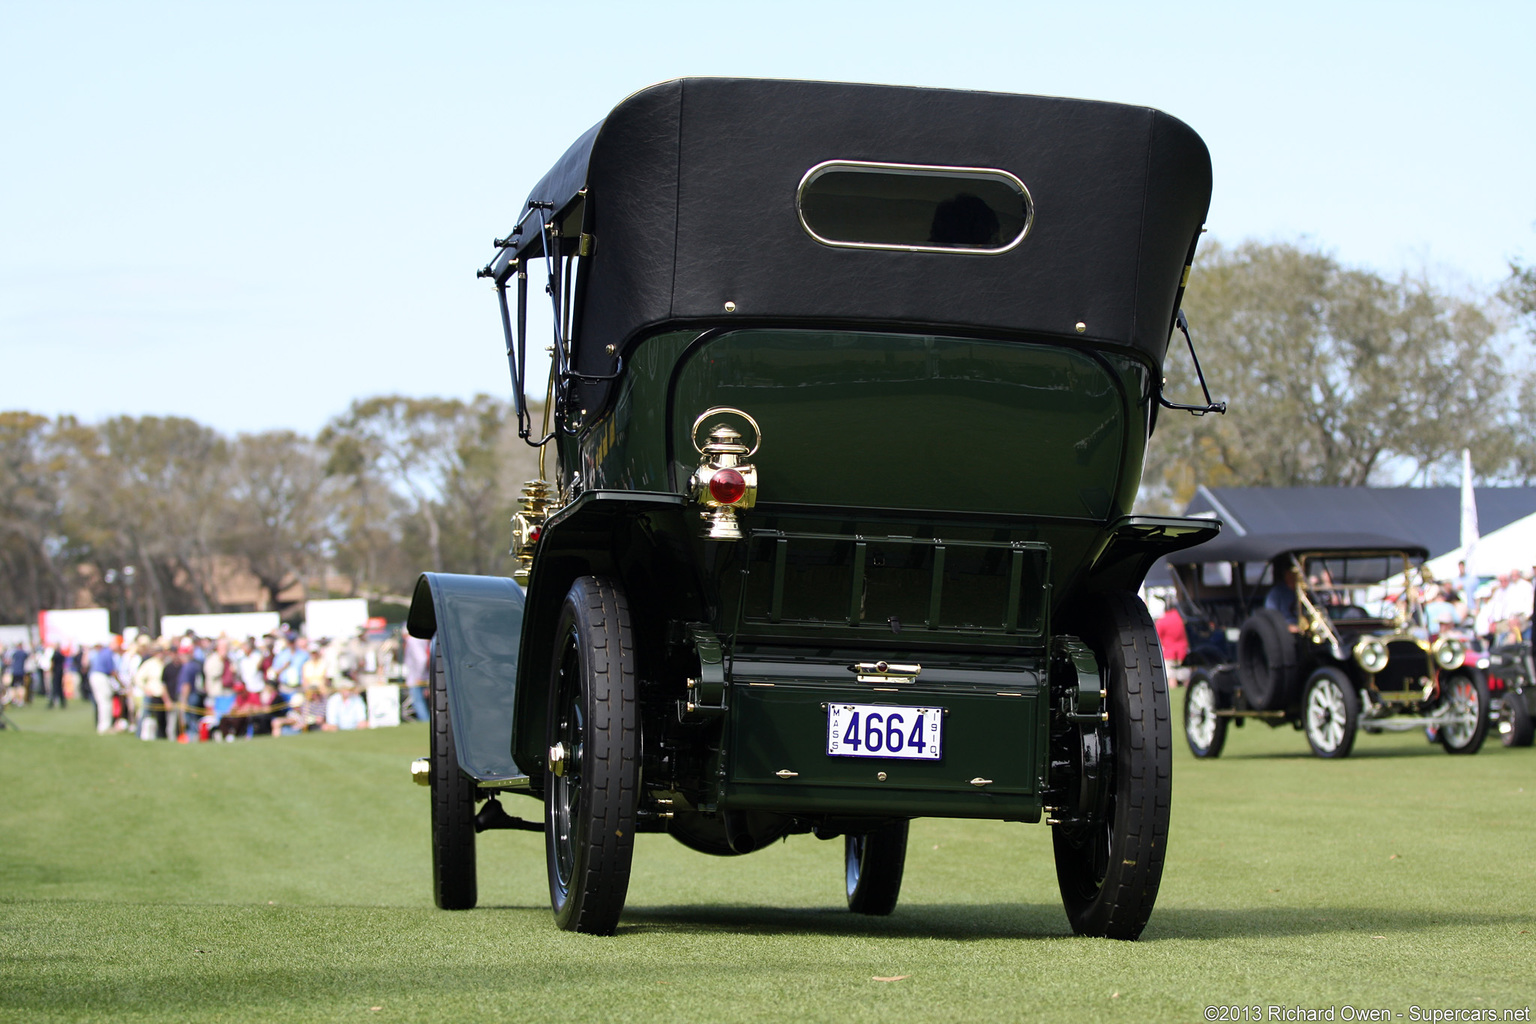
x=853, y=582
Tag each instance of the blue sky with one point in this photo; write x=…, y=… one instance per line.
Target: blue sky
x=251, y=214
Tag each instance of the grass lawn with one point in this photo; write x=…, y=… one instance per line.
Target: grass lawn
x=289, y=879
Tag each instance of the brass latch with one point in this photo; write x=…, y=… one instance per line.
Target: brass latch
x=884, y=672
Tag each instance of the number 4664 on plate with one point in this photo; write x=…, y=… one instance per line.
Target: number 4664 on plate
x=883, y=730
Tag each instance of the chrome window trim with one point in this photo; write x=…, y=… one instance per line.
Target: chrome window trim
x=922, y=170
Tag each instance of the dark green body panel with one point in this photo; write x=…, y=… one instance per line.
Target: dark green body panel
x=994, y=729
x=1028, y=440
x=477, y=623
x=922, y=499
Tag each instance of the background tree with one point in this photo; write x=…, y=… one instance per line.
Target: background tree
x=277, y=507
x=445, y=472
x=1335, y=376
x=149, y=492
x=31, y=536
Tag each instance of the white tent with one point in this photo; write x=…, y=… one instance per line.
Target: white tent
x=1504, y=550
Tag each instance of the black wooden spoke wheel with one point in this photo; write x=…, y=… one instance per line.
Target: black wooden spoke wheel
x=1465, y=693
x=592, y=776
x=874, y=864
x=453, y=805
x=1109, y=854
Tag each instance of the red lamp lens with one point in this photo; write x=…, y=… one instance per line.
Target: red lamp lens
x=727, y=486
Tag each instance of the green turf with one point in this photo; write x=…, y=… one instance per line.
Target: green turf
x=289, y=880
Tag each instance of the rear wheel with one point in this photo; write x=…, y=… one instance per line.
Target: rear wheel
x=1466, y=698
x=1330, y=710
x=1109, y=856
x=1203, y=730
x=593, y=774
x=874, y=864
x=1515, y=729
x=454, y=885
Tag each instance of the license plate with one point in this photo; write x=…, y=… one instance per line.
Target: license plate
x=881, y=730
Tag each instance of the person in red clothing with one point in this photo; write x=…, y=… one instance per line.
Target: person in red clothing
x=1170, y=633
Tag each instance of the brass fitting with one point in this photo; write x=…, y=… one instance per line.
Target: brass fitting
x=527, y=523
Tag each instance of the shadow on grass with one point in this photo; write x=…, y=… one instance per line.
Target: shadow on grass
x=946, y=921
x=1364, y=750
x=975, y=922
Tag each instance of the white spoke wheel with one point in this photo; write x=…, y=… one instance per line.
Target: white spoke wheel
x=592, y=777
x=1330, y=710
x=873, y=865
x=454, y=885
x=1465, y=697
x=1204, y=731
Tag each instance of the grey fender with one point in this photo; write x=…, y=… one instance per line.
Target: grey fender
x=476, y=622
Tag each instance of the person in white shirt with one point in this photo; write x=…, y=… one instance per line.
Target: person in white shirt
x=1516, y=611
x=346, y=709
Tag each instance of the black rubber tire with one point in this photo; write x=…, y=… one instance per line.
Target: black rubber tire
x=590, y=809
x=1330, y=713
x=1516, y=714
x=454, y=885
x=873, y=865
x=1466, y=684
x=1205, y=733
x=1266, y=661
x=1109, y=871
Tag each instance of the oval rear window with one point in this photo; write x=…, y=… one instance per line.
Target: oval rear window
x=914, y=207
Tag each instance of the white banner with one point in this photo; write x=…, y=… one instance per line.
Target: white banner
x=335, y=620
x=75, y=626
x=235, y=625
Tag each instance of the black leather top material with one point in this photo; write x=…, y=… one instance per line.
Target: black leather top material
x=692, y=185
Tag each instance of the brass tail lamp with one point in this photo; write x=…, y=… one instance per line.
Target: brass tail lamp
x=724, y=482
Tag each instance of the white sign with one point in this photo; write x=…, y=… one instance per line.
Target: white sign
x=383, y=705
x=235, y=625
x=335, y=620
x=75, y=626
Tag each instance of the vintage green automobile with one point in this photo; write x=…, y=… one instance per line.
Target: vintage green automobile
x=850, y=391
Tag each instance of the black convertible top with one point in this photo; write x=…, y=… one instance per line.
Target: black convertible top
x=1265, y=547
x=686, y=193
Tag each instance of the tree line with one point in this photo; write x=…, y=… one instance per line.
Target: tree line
x=1338, y=376
x=1334, y=375
x=152, y=515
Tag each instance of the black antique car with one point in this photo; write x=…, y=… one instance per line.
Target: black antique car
x=849, y=396
x=1511, y=673
x=1324, y=633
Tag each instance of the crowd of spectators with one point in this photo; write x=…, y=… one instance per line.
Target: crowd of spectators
x=200, y=688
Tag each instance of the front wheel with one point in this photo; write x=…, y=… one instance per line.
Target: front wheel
x=592, y=776
x=1204, y=731
x=873, y=867
x=1466, y=726
x=454, y=885
x=1109, y=860
x=1330, y=710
